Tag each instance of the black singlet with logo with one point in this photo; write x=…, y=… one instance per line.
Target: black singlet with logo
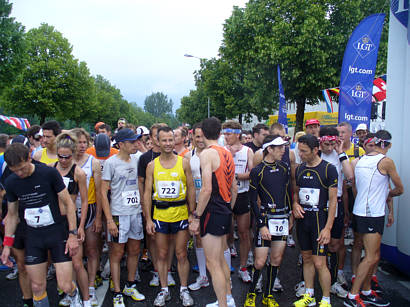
x=314, y=184
x=71, y=185
x=37, y=191
x=270, y=181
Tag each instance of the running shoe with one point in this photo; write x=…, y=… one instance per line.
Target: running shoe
x=13, y=274
x=133, y=292
x=341, y=279
x=201, y=282
x=51, y=272
x=305, y=301
x=249, y=261
x=250, y=300
x=162, y=297
x=277, y=286
x=323, y=303
x=65, y=301
x=244, y=275
x=356, y=302
x=186, y=298
x=374, y=299
x=233, y=251
x=75, y=300
x=111, y=285
x=98, y=282
x=375, y=285
x=229, y=300
x=93, y=299
x=269, y=301
x=258, y=287
x=105, y=248
x=338, y=290
x=171, y=280
x=118, y=300
x=155, y=280
x=300, y=289
x=190, y=244
x=290, y=241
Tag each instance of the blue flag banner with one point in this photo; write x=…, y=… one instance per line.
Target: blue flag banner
x=283, y=112
x=358, y=69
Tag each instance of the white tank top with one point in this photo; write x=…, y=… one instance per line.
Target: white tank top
x=333, y=158
x=196, y=172
x=372, y=187
x=87, y=167
x=241, y=166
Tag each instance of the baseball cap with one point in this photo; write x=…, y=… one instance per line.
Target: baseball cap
x=126, y=134
x=97, y=125
x=361, y=127
x=275, y=142
x=312, y=122
x=21, y=139
x=142, y=130
x=102, y=145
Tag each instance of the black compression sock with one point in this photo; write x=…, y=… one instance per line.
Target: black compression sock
x=256, y=274
x=334, y=264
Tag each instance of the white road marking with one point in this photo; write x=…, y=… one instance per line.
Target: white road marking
x=100, y=292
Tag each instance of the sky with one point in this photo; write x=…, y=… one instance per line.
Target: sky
x=138, y=45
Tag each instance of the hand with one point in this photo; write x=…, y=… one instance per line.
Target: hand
x=194, y=226
x=390, y=219
x=5, y=256
x=265, y=234
x=324, y=236
x=72, y=245
x=81, y=234
x=298, y=211
x=150, y=226
x=112, y=228
x=339, y=146
x=97, y=225
x=291, y=223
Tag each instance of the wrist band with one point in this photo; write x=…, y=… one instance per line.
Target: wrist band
x=342, y=157
x=8, y=241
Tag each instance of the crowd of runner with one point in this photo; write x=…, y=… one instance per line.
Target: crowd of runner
x=145, y=194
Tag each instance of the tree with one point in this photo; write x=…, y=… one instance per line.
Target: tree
x=53, y=83
x=12, y=46
x=158, y=104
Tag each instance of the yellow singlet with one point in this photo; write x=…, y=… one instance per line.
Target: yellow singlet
x=45, y=159
x=170, y=185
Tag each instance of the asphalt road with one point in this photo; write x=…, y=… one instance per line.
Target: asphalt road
x=396, y=286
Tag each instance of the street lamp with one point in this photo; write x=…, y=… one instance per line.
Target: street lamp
x=192, y=56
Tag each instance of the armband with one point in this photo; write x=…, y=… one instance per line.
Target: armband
x=8, y=241
x=342, y=157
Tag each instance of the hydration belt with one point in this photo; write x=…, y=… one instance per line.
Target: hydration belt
x=160, y=204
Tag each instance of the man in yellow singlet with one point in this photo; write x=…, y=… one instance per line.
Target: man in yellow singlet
x=170, y=177
x=48, y=154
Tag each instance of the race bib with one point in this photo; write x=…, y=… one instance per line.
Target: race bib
x=168, y=189
x=38, y=217
x=130, y=198
x=278, y=227
x=66, y=181
x=309, y=197
x=198, y=183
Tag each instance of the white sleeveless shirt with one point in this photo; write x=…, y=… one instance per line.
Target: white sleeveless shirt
x=241, y=166
x=372, y=187
x=87, y=167
x=196, y=172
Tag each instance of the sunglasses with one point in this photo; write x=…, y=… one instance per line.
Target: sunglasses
x=64, y=157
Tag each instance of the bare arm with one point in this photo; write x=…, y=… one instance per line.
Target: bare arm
x=141, y=186
x=10, y=228
x=206, y=189
x=388, y=167
x=81, y=179
x=189, y=185
x=96, y=165
x=72, y=242
x=257, y=157
x=324, y=236
x=245, y=176
x=37, y=155
x=149, y=180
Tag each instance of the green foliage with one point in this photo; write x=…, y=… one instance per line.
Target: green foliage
x=158, y=104
x=12, y=46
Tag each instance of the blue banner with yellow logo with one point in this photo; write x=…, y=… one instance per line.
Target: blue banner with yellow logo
x=358, y=69
x=283, y=112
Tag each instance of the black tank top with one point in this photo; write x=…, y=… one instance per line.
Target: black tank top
x=70, y=183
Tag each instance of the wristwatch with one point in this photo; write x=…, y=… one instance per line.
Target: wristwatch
x=73, y=232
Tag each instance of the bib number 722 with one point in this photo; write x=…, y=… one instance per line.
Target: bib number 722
x=168, y=191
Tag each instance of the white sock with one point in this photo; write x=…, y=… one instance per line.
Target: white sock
x=165, y=289
x=200, y=257
x=326, y=299
x=310, y=291
x=91, y=290
x=227, y=255
x=87, y=303
x=368, y=292
x=351, y=296
x=183, y=288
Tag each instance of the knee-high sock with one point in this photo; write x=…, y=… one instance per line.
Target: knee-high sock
x=256, y=274
x=270, y=280
x=227, y=255
x=200, y=257
x=334, y=264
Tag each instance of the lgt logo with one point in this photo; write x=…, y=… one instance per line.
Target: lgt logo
x=359, y=93
x=364, y=46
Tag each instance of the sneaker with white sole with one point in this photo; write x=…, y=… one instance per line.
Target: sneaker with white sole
x=133, y=292
x=118, y=300
x=162, y=297
x=249, y=261
x=186, y=298
x=75, y=300
x=300, y=289
x=137, y=276
x=93, y=299
x=244, y=275
x=65, y=301
x=155, y=280
x=171, y=280
x=338, y=290
x=277, y=286
x=341, y=279
x=230, y=302
x=201, y=282
x=13, y=274
x=258, y=287
x=233, y=251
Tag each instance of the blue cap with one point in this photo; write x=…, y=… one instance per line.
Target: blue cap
x=126, y=134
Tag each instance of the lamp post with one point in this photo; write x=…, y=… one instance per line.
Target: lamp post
x=192, y=56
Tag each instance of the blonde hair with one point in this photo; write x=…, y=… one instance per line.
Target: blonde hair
x=67, y=140
x=78, y=132
x=299, y=134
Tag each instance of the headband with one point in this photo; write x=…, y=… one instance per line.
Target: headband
x=230, y=130
x=328, y=138
x=369, y=140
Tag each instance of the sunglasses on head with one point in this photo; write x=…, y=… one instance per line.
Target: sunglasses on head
x=64, y=157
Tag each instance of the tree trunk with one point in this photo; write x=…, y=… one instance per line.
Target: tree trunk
x=42, y=119
x=240, y=118
x=300, y=113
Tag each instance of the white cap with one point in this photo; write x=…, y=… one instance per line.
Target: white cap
x=142, y=130
x=361, y=127
x=275, y=142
